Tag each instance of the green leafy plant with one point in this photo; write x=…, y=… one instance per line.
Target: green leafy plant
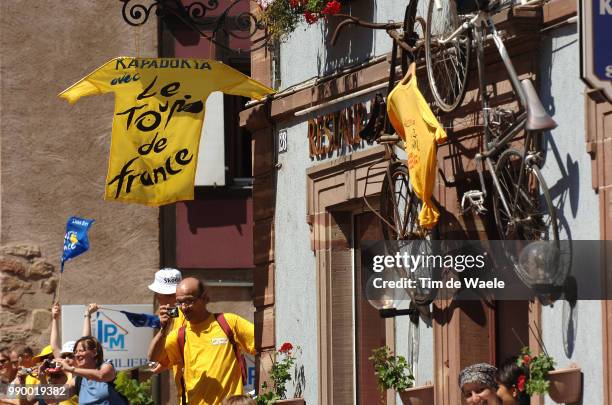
x=281, y=17
x=538, y=366
x=392, y=371
x=279, y=374
x=136, y=393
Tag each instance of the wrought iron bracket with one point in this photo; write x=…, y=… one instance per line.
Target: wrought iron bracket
x=197, y=17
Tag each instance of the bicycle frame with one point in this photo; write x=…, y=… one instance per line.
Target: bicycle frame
x=406, y=43
x=479, y=24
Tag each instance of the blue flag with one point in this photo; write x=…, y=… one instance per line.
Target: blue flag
x=75, y=239
x=143, y=320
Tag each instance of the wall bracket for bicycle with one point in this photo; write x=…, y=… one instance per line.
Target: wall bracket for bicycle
x=232, y=22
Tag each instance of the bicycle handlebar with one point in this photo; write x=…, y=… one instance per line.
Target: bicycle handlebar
x=349, y=19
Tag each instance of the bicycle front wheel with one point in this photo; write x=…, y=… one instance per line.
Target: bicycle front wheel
x=447, y=53
x=530, y=214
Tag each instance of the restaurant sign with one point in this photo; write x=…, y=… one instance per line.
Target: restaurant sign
x=596, y=44
x=334, y=131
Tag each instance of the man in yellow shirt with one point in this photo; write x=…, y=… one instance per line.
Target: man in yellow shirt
x=210, y=367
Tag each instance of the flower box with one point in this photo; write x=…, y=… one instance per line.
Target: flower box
x=423, y=395
x=565, y=385
x=292, y=401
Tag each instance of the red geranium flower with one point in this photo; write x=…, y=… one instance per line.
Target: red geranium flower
x=286, y=347
x=310, y=17
x=526, y=359
x=332, y=7
x=521, y=382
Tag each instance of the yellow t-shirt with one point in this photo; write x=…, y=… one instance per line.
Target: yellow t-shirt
x=211, y=370
x=31, y=380
x=157, y=125
x=176, y=369
x=420, y=130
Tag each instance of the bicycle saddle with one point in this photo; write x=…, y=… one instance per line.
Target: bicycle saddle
x=537, y=117
x=386, y=138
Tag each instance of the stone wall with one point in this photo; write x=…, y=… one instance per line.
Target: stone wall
x=27, y=285
x=54, y=156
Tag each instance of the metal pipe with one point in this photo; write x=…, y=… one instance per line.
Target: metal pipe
x=571, y=20
x=340, y=99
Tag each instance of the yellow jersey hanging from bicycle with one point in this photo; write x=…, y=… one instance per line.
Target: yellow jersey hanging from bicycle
x=421, y=132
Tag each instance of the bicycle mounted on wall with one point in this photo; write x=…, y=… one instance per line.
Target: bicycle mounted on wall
x=522, y=204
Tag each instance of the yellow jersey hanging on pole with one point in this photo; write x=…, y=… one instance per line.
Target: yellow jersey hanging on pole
x=159, y=112
x=414, y=122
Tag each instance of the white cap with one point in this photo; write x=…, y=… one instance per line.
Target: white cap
x=68, y=347
x=166, y=281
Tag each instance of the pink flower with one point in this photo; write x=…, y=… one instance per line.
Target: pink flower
x=526, y=359
x=286, y=347
x=332, y=7
x=310, y=17
x=521, y=382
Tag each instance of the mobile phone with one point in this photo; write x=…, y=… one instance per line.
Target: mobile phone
x=173, y=312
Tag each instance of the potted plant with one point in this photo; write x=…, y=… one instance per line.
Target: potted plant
x=393, y=372
x=562, y=385
x=538, y=366
x=281, y=17
x=565, y=384
x=280, y=374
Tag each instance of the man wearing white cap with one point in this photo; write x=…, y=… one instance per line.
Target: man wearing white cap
x=164, y=287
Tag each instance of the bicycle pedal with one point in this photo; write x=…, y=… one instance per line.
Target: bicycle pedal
x=475, y=200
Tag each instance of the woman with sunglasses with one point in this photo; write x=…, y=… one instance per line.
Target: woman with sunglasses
x=92, y=376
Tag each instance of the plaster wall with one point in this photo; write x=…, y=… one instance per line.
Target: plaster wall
x=308, y=53
x=568, y=174
x=295, y=277
x=54, y=155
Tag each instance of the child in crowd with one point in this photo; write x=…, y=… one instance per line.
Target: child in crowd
x=511, y=379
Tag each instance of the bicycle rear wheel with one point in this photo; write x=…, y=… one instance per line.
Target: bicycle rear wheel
x=532, y=214
x=447, y=63
x=399, y=205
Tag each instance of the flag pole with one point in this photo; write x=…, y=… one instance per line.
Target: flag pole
x=56, y=295
x=116, y=324
x=109, y=309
